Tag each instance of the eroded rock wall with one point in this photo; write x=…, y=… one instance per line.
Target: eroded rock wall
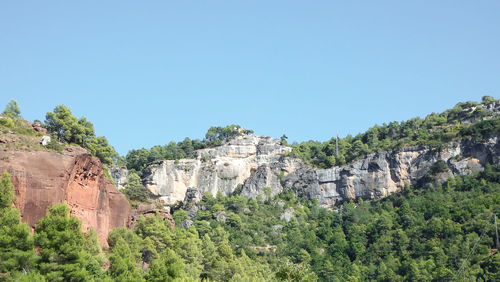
x=258, y=166
x=42, y=179
x=380, y=174
x=220, y=169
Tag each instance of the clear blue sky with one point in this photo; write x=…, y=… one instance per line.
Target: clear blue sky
x=148, y=72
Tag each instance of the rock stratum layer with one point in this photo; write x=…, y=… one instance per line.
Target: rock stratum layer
x=42, y=179
x=257, y=165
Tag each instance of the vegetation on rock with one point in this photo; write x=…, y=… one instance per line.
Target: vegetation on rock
x=435, y=232
x=68, y=129
x=465, y=120
x=139, y=160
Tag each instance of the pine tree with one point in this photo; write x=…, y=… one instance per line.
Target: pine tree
x=123, y=266
x=168, y=267
x=60, y=240
x=16, y=244
x=12, y=110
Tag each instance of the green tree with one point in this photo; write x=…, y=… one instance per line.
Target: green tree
x=123, y=267
x=68, y=129
x=189, y=247
x=99, y=147
x=60, y=240
x=294, y=272
x=168, y=267
x=179, y=216
x=65, y=125
x=134, y=190
x=16, y=244
x=157, y=229
x=12, y=110
x=6, y=191
x=138, y=159
x=134, y=242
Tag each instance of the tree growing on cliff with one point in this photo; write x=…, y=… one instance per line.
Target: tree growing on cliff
x=216, y=135
x=134, y=190
x=6, y=195
x=16, y=244
x=68, y=129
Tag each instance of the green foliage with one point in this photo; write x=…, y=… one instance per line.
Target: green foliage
x=487, y=100
x=66, y=126
x=99, y=147
x=68, y=129
x=438, y=167
x=12, y=110
x=123, y=266
x=16, y=244
x=419, y=234
x=168, y=267
x=6, y=194
x=215, y=136
x=179, y=216
x=6, y=122
x=61, y=243
x=296, y=273
x=465, y=120
x=134, y=190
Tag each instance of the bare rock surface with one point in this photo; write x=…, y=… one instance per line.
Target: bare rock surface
x=256, y=165
x=42, y=179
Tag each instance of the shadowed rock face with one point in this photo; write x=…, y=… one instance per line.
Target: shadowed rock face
x=258, y=164
x=380, y=174
x=42, y=179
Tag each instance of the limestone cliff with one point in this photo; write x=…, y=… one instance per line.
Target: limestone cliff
x=219, y=169
x=258, y=166
x=380, y=174
x=43, y=178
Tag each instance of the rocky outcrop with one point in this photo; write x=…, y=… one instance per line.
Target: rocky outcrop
x=255, y=165
x=220, y=169
x=151, y=210
x=119, y=175
x=380, y=174
x=43, y=178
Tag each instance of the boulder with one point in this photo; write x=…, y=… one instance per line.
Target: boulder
x=45, y=140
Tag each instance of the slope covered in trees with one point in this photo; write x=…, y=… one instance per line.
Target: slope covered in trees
x=420, y=234
x=432, y=233
x=64, y=128
x=465, y=120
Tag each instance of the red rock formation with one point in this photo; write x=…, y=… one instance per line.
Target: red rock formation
x=151, y=210
x=42, y=179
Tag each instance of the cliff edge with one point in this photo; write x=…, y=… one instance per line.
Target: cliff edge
x=43, y=178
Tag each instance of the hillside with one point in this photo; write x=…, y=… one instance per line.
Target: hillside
x=412, y=201
x=371, y=165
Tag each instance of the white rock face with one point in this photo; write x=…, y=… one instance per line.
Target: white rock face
x=258, y=164
x=219, y=169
